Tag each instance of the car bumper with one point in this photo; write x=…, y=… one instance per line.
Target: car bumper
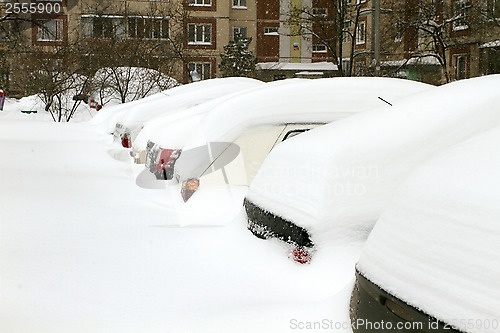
x=264, y=224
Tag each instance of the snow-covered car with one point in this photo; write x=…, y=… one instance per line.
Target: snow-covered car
x=163, y=137
x=315, y=188
x=126, y=121
x=236, y=137
x=432, y=261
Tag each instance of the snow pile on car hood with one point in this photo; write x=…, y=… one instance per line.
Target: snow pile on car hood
x=438, y=245
x=305, y=101
x=335, y=180
x=177, y=98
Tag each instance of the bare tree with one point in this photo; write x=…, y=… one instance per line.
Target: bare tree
x=133, y=53
x=431, y=28
x=55, y=79
x=331, y=27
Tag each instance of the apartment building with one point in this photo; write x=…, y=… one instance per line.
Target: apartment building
x=467, y=33
x=197, y=30
x=187, y=35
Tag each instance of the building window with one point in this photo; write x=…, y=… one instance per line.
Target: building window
x=204, y=69
x=147, y=28
x=319, y=48
x=242, y=31
x=200, y=34
x=494, y=8
x=460, y=13
x=346, y=33
x=240, y=4
x=359, y=68
x=461, y=66
x=319, y=12
x=50, y=30
x=490, y=61
x=346, y=66
x=121, y=27
x=271, y=31
x=361, y=33
x=204, y=3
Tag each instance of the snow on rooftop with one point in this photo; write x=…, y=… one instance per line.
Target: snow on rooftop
x=490, y=44
x=336, y=179
x=437, y=246
x=309, y=73
x=288, y=66
x=428, y=60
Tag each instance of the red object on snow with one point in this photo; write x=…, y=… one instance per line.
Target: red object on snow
x=3, y=95
x=301, y=256
x=92, y=104
x=125, y=141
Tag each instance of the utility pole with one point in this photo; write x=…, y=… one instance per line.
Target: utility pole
x=376, y=35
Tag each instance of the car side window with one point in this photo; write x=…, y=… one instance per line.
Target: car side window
x=293, y=133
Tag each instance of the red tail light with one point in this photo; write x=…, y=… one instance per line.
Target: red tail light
x=126, y=141
x=300, y=256
x=167, y=158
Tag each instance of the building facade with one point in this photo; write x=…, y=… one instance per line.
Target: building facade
x=181, y=36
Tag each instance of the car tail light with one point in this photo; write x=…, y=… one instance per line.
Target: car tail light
x=189, y=187
x=166, y=161
x=126, y=141
x=300, y=255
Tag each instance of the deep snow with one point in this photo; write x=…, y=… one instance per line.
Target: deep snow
x=84, y=249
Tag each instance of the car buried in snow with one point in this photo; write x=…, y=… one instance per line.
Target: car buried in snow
x=127, y=121
x=233, y=139
x=318, y=196
x=432, y=261
x=161, y=139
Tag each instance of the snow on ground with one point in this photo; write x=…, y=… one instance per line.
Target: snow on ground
x=13, y=107
x=84, y=249
x=444, y=224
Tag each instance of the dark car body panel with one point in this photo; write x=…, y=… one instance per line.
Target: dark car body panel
x=371, y=305
x=264, y=224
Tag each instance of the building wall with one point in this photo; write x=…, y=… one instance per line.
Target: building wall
x=472, y=52
x=267, y=30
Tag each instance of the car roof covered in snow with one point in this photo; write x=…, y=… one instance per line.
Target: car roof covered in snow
x=307, y=101
x=177, y=98
x=437, y=247
x=175, y=128
x=336, y=179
